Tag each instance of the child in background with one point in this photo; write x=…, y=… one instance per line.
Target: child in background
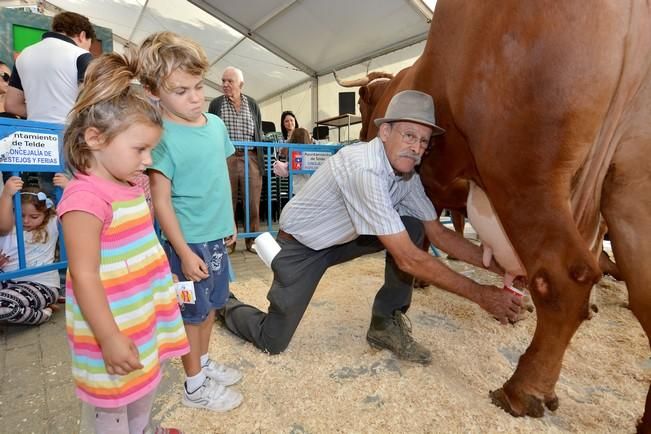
x=192, y=201
x=299, y=136
x=142, y=181
x=60, y=180
x=28, y=299
x=122, y=316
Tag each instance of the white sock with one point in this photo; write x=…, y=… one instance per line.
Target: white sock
x=192, y=384
x=204, y=359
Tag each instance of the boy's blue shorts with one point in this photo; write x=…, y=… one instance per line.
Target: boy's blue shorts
x=212, y=292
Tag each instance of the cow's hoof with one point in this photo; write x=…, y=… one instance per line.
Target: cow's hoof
x=521, y=316
x=552, y=403
x=531, y=406
x=527, y=303
x=592, y=311
x=643, y=426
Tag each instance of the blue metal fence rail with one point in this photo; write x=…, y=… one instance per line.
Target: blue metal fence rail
x=269, y=151
x=269, y=148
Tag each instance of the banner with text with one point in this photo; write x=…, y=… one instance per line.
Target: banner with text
x=308, y=160
x=37, y=151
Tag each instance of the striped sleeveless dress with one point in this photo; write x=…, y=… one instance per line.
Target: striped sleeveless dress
x=139, y=288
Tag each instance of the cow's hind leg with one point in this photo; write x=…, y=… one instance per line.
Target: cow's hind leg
x=561, y=274
x=626, y=206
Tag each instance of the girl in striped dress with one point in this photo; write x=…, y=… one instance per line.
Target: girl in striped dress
x=122, y=316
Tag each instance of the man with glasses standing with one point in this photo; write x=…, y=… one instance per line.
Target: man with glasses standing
x=364, y=199
x=242, y=118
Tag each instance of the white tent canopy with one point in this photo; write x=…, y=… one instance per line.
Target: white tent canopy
x=287, y=49
x=278, y=44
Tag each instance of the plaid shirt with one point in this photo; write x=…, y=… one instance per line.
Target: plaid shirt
x=241, y=126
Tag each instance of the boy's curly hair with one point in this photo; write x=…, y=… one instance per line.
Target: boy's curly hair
x=163, y=53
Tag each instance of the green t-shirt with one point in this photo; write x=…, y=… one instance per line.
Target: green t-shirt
x=194, y=160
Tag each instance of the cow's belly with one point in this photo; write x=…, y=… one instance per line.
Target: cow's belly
x=489, y=229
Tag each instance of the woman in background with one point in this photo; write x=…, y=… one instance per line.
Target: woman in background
x=5, y=75
x=288, y=123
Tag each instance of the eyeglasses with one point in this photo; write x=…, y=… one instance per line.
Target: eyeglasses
x=5, y=77
x=410, y=138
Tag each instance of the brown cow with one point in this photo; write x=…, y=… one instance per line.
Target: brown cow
x=371, y=92
x=547, y=109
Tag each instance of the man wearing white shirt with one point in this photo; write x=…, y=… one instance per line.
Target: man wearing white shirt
x=46, y=76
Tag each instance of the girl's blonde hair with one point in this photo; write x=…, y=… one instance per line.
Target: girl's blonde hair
x=163, y=53
x=108, y=101
x=300, y=135
x=30, y=195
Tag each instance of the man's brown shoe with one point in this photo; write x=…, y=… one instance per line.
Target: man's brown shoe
x=394, y=334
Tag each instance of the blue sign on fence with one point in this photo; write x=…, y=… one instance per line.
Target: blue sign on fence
x=30, y=146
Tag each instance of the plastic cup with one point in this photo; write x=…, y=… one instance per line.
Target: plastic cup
x=514, y=290
x=266, y=247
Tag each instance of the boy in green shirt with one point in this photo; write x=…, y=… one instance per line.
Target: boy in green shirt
x=192, y=200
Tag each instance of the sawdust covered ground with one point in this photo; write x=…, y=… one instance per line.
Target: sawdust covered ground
x=330, y=380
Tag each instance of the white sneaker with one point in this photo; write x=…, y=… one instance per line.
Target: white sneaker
x=221, y=374
x=212, y=396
